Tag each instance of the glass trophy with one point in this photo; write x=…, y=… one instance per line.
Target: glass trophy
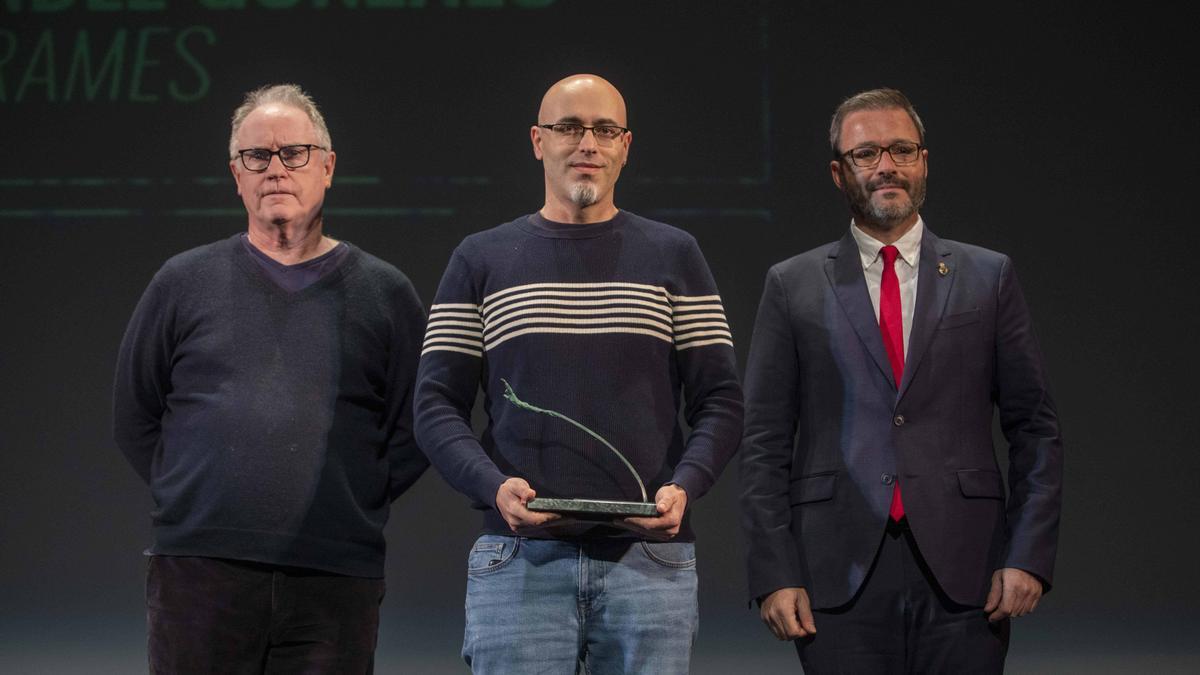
x=586, y=508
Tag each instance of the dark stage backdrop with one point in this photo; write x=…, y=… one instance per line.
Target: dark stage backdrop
x=1062, y=135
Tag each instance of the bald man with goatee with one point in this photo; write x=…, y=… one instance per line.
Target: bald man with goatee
x=612, y=320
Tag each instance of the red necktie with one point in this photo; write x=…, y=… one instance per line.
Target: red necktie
x=891, y=326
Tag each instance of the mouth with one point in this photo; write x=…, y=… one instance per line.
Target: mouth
x=586, y=167
x=889, y=186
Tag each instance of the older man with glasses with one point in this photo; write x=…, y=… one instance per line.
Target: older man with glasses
x=263, y=391
x=611, y=320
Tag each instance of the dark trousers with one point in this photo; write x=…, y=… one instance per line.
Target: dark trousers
x=212, y=615
x=901, y=622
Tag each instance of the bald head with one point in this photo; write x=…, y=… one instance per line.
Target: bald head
x=588, y=92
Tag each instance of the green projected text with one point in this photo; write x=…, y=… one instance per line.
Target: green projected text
x=144, y=63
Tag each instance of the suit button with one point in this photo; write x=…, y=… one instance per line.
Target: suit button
x=887, y=479
x=898, y=420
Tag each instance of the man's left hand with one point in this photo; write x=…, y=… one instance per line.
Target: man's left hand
x=671, y=501
x=1014, y=593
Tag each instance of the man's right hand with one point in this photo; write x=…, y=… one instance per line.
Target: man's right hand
x=511, y=499
x=787, y=613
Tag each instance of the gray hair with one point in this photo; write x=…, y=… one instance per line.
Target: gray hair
x=874, y=99
x=282, y=94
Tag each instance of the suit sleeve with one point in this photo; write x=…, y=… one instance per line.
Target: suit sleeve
x=772, y=399
x=405, y=459
x=143, y=377
x=707, y=365
x=1030, y=424
x=447, y=382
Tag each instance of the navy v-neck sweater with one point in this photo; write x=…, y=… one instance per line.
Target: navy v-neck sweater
x=271, y=426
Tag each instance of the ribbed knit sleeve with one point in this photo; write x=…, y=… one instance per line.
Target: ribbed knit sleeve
x=708, y=371
x=143, y=377
x=406, y=460
x=447, y=382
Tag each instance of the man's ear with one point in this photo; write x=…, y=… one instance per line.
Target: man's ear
x=835, y=171
x=330, y=161
x=535, y=137
x=237, y=179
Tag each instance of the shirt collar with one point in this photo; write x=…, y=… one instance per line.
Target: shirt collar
x=909, y=246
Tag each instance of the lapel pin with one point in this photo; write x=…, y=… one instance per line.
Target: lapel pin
x=942, y=269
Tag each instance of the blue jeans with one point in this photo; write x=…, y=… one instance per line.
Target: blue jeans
x=563, y=607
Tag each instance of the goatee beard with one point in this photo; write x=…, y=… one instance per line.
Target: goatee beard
x=583, y=194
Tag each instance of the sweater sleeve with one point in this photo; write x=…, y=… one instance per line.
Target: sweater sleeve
x=406, y=460
x=143, y=377
x=708, y=371
x=447, y=383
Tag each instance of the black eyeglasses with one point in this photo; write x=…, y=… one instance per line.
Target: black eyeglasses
x=605, y=134
x=291, y=156
x=868, y=156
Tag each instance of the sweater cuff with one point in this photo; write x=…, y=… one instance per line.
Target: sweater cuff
x=695, y=483
x=489, y=486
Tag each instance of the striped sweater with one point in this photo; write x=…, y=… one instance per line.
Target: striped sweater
x=614, y=324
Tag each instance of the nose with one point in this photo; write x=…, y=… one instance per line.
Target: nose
x=275, y=167
x=886, y=163
x=588, y=145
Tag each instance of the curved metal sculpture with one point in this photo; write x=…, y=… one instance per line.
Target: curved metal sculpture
x=642, y=508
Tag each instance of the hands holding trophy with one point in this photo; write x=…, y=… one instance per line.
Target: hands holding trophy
x=658, y=519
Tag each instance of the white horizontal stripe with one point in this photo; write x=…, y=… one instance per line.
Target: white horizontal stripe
x=448, y=348
x=701, y=333
x=453, y=305
x=695, y=298
x=662, y=307
x=577, y=331
x=704, y=343
x=609, y=284
x=454, y=315
x=477, y=325
x=681, y=330
x=559, y=296
x=453, y=331
x=688, y=320
x=577, y=312
x=452, y=340
x=491, y=334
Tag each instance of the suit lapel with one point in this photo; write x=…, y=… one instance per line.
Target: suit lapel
x=933, y=288
x=845, y=273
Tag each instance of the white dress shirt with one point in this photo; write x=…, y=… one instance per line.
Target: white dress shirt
x=909, y=247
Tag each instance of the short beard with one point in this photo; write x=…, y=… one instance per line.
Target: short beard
x=890, y=214
x=583, y=195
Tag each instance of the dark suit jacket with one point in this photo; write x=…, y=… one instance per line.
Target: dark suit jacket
x=828, y=430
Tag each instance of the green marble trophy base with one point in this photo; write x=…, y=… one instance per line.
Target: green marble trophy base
x=593, y=508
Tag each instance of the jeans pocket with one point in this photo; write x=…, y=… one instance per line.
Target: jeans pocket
x=491, y=553
x=673, y=554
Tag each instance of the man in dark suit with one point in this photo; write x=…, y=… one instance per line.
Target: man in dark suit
x=880, y=537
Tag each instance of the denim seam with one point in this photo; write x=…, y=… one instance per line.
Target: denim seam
x=667, y=563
